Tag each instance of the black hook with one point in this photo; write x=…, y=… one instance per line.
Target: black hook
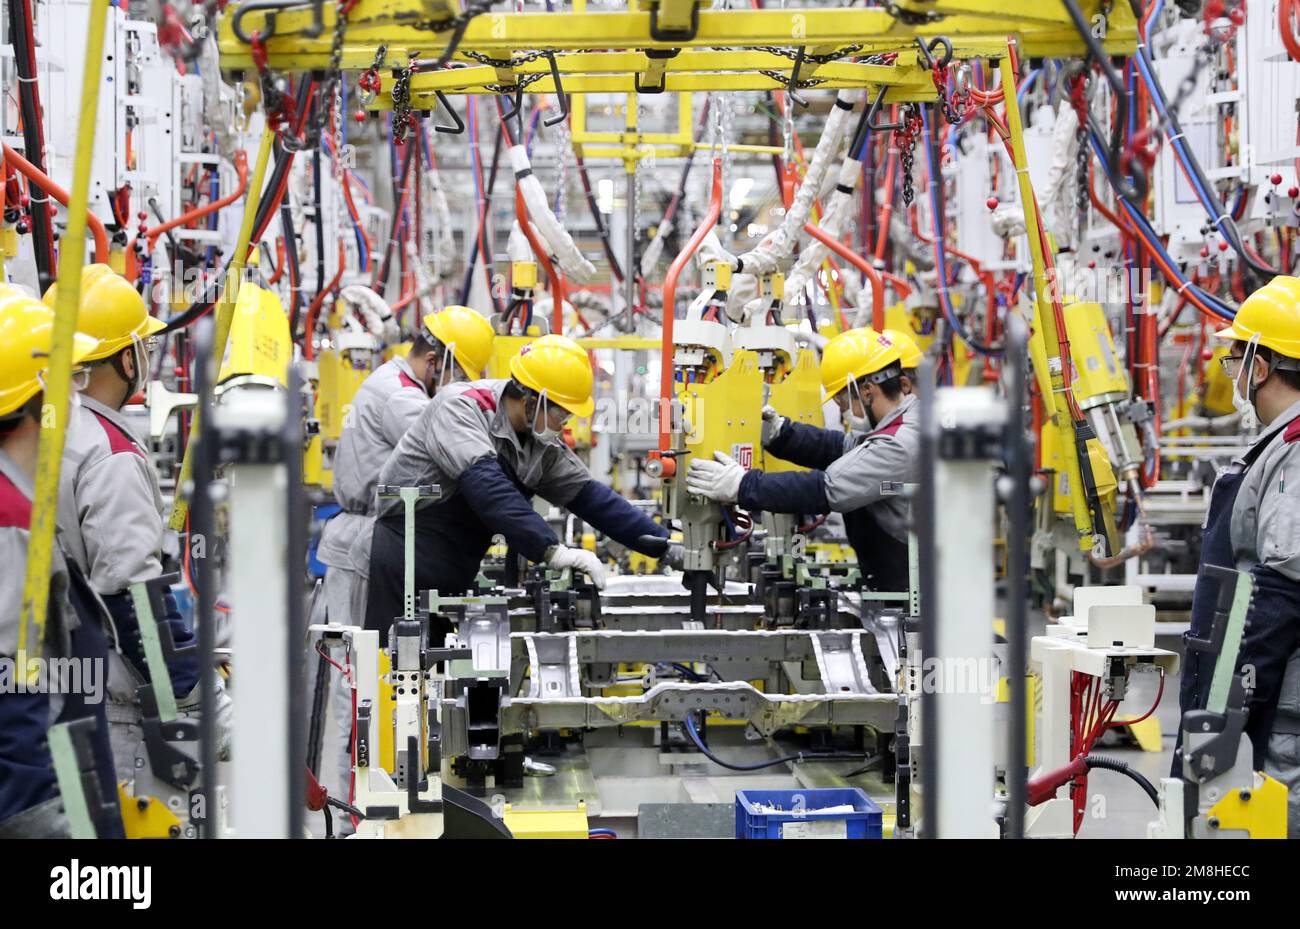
x=271, y=7
x=791, y=86
x=870, y=121
x=458, y=126
x=559, y=92
x=928, y=48
x=517, y=99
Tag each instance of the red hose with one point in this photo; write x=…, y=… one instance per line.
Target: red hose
x=670, y=295
x=308, y=349
x=556, y=282
x=38, y=177
x=1286, y=11
x=877, y=285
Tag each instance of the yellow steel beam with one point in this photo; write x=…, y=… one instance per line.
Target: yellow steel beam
x=58, y=386
x=405, y=27
x=424, y=99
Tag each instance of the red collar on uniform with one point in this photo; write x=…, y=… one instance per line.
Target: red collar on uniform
x=486, y=399
x=118, y=439
x=15, y=508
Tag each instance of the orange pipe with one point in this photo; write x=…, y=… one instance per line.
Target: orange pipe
x=557, y=284
x=877, y=284
x=670, y=295
x=42, y=180
x=241, y=167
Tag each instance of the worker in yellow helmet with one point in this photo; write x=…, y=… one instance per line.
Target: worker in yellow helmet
x=862, y=372
x=451, y=345
x=1254, y=524
x=490, y=446
x=111, y=512
x=76, y=622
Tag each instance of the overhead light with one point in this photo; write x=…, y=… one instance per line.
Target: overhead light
x=740, y=190
x=605, y=195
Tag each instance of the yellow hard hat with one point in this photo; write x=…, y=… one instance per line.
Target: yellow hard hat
x=910, y=355
x=854, y=354
x=1273, y=314
x=467, y=333
x=26, y=329
x=111, y=311
x=557, y=365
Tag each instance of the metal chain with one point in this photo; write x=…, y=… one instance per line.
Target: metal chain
x=784, y=79
x=910, y=18
x=330, y=84
x=523, y=82
x=402, y=118
x=793, y=53
x=905, y=139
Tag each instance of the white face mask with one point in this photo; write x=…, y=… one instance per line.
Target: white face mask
x=1241, y=397
x=541, y=414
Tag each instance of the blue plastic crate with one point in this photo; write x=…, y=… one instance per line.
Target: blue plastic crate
x=799, y=817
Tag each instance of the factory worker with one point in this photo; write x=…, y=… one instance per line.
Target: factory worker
x=77, y=626
x=490, y=446
x=861, y=370
x=110, y=509
x=910, y=357
x=452, y=345
x=1253, y=524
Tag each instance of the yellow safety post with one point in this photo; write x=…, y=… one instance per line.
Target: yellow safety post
x=1057, y=399
x=225, y=313
x=58, y=386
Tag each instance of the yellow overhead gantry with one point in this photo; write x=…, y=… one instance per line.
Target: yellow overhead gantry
x=300, y=38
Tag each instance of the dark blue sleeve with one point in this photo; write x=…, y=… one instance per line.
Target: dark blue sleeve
x=785, y=492
x=1272, y=635
x=183, y=671
x=26, y=768
x=807, y=446
x=500, y=506
x=613, y=515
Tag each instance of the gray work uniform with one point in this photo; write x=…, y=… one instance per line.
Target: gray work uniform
x=1265, y=531
x=110, y=519
x=384, y=407
x=486, y=473
x=386, y=404
x=30, y=804
x=848, y=476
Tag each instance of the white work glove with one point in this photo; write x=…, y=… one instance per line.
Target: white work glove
x=773, y=423
x=675, y=557
x=191, y=706
x=579, y=559
x=718, y=480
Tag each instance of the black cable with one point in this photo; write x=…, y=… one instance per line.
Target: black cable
x=799, y=757
x=1124, y=768
x=294, y=269
x=29, y=106
x=601, y=229
x=399, y=184
x=478, y=239
x=319, y=221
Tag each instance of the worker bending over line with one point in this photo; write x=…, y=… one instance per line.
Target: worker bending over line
x=861, y=370
x=490, y=445
x=452, y=345
x=77, y=625
x=1253, y=524
x=111, y=511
